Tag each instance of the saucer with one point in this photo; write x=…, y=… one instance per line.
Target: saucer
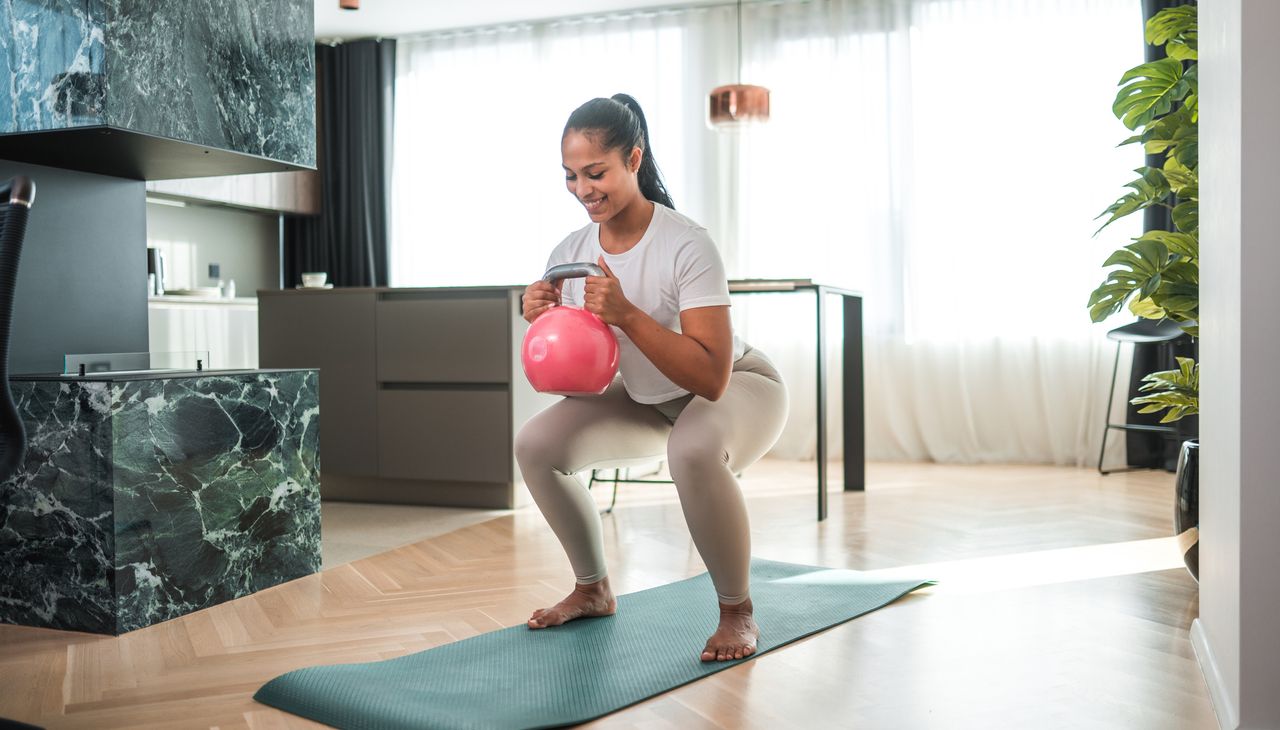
x=326, y=286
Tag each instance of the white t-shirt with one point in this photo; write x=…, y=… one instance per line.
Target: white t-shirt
x=675, y=266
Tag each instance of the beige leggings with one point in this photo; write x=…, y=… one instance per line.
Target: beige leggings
x=703, y=442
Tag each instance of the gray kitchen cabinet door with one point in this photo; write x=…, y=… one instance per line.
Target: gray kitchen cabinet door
x=333, y=332
x=443, y=337
x=444, y=434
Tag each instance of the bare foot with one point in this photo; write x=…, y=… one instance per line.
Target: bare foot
x=736, y=636
x=592, y=599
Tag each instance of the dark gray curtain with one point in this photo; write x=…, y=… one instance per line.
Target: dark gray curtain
x=355, y=93
x=1157, y=451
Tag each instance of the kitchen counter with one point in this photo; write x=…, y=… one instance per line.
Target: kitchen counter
x=183, y=299
x=386, y=289
x=147, y=496
x=126, y=376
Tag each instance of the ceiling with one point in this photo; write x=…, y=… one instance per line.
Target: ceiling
x=404, y=17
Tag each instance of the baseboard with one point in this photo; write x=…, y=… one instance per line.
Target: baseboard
x=346, y=488
x=1227, y=713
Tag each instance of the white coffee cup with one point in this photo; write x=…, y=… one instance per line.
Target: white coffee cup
x=314, y=279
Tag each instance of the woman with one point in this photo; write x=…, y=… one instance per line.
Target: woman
x=689, y=387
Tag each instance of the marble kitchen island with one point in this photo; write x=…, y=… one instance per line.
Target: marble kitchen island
x=147, y=496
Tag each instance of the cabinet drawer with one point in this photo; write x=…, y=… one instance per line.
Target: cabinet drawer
x=444, y=434
x=456, y=337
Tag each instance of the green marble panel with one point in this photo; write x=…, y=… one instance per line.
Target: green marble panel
x=207, y=489
x=217, y=490
x=57, y=535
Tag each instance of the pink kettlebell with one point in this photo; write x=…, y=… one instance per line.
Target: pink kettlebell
x=570, y=351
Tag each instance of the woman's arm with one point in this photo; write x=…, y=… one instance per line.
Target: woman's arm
x=699, y=359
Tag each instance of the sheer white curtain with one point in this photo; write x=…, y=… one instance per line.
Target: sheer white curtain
x=479, y=194
x=944, y=157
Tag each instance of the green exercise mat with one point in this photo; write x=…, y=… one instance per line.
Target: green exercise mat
x=519, y=678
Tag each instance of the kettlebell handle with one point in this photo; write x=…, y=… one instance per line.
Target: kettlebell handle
x=572, y=271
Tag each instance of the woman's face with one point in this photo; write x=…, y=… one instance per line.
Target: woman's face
x=602, y=180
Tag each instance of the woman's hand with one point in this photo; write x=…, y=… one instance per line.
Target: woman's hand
x=603, y=297
x=539, y=297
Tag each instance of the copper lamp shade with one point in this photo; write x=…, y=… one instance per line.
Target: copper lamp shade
x=349, y=4
x=736, y=104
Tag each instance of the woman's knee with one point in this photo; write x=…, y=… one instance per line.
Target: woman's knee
x=692, y=454
x=536, y=447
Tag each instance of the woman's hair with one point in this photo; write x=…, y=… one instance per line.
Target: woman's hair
x=618, y=123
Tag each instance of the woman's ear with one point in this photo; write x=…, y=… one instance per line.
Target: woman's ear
x=633, y=162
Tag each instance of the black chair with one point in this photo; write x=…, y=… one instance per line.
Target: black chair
x=1163, y=332
x=16, y=197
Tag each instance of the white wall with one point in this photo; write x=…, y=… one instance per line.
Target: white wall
x=1259, y=361
x=1237, y=637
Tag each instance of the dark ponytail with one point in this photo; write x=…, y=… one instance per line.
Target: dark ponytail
x=619, y=124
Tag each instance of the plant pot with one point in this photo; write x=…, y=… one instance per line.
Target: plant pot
x=1186, y=508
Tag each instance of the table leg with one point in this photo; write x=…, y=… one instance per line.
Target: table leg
x=822, y=403
x=855, y=442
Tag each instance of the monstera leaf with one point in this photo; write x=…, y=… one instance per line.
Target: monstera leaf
x=1182, y=179
x=1186, y=216
x=1182, y=244
x=1160, y=271
x=1146, y=308
x=1149, y=91
x=1150, y=189
x=1174, y=133
x=1177, y=390
x=1175, y=29
x=1178, y=296
x=1141, y=265
x=1191, y=77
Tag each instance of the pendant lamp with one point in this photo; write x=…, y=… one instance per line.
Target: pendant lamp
x=349, y=4
x=734, y=105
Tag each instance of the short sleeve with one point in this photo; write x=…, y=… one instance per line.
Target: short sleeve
x=560, y=254
x=699, y=273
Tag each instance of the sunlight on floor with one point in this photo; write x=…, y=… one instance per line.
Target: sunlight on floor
x=1002, y=572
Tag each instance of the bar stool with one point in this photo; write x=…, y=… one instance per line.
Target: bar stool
x=621, y=475
x=1144, y=331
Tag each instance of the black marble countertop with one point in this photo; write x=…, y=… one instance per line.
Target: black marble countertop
x=148, y=375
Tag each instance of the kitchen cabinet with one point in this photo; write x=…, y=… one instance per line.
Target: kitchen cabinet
x=283, y=192
x=423, y=389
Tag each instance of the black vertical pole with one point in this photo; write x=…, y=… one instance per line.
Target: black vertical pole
x=855, y=441
x=821, y=295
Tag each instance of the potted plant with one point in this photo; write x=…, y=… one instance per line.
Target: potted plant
x=1158, y=275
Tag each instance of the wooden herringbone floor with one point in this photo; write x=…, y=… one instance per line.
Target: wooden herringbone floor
x=1062, y=604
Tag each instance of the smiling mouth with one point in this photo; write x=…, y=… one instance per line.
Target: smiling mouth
x=594, y=205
